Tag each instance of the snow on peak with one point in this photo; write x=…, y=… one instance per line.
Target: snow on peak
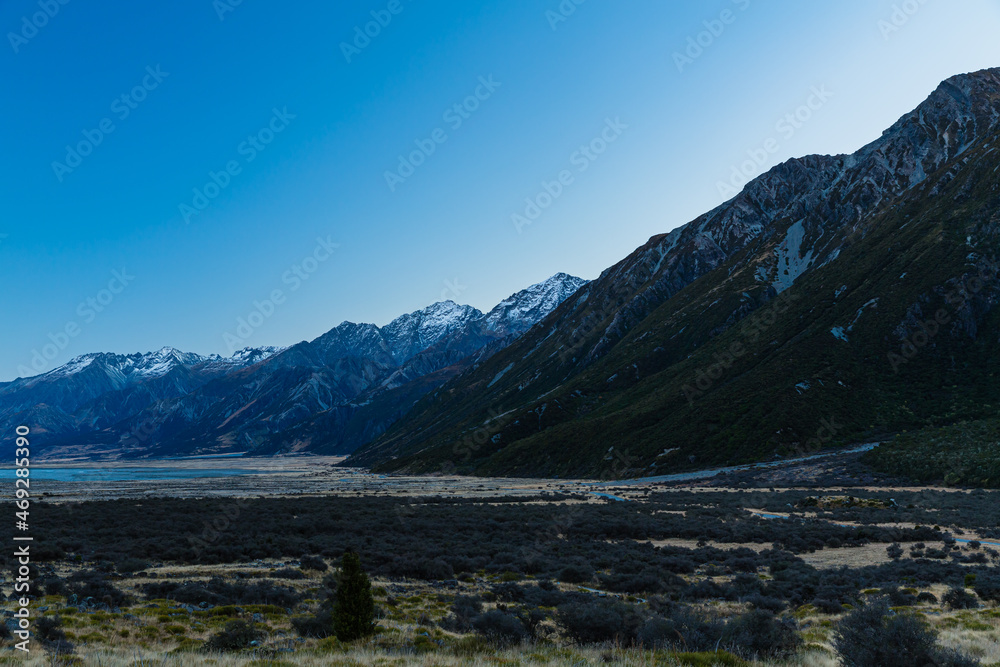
x=414, y=332
x=250, y=355
x=522, y=310
x=125, y=369
x=74, y=365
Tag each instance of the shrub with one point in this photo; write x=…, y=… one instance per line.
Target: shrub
x=894, y=551
x=48, y=629
x=703, y=590
x=576, y=574
x=987, y=588
x=354, y=611
x=463, y=610
x=658, y=633
x=949, y=657
x=759, y=634
x=959, y=598
x=827, y=606
x=508, y=592
x=599, y=621
x=532, y=619
x=681, y=629
x=647, y=581
x=236, y=636
x=758, y=601
x=288, y=573
x=319, y=626
x=500, y=628
x=52, y=585
x=130, y=565
x=220, y=592
x=873, y=636
x=313, y=563
x=93, y=584
x=899, y=598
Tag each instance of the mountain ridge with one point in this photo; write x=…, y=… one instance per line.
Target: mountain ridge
x=157, y=402
x=709, y=275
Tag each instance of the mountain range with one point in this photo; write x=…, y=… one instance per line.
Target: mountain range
x=329, y=395
x=836, y=299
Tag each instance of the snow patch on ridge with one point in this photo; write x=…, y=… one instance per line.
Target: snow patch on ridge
x=500, y=375
x=791, y=262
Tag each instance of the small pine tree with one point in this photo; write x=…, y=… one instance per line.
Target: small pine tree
x=354, y=611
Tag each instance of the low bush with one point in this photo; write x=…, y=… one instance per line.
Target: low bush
x=827, y=606
x=681, y=629
x=288, y=573
x=220, y=592
x=873, y=636
x=313, y=563
x=94, y=585
x=599, y=621
x=318, y=626
x=759, y=634
x=131, y=565
x=463, y=610
x=959, y=598
x=500, y=628
x=48, y=630
x=987, y=588
x=236, y=636
x=579, y=573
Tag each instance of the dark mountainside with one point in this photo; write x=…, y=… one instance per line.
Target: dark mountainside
x=326, y=396
x=836, y=299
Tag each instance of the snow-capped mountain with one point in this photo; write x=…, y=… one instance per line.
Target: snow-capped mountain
x=400, y=340
x=308, y=396
x=103, y=388
x=410, y=334
x=123, y=370
x=521, y=311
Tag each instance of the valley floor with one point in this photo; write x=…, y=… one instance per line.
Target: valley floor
x=324, y=476
x=135, y=573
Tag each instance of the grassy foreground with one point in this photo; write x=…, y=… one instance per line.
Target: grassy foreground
x=166, y=633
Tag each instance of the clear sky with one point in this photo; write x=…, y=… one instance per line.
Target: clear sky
x=115, y=113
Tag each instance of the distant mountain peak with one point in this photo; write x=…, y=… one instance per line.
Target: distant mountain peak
x=523, y=309
x=124, y=369
x=414, y=332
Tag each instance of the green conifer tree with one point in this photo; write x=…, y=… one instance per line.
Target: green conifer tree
x=354, y=611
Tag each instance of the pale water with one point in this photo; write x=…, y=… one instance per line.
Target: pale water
x=129, y=474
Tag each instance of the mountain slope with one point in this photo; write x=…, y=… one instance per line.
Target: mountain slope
x=734, y=337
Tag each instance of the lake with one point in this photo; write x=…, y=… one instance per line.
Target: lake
x=129, y=474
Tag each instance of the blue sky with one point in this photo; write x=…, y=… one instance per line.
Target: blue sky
x=292, y=134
